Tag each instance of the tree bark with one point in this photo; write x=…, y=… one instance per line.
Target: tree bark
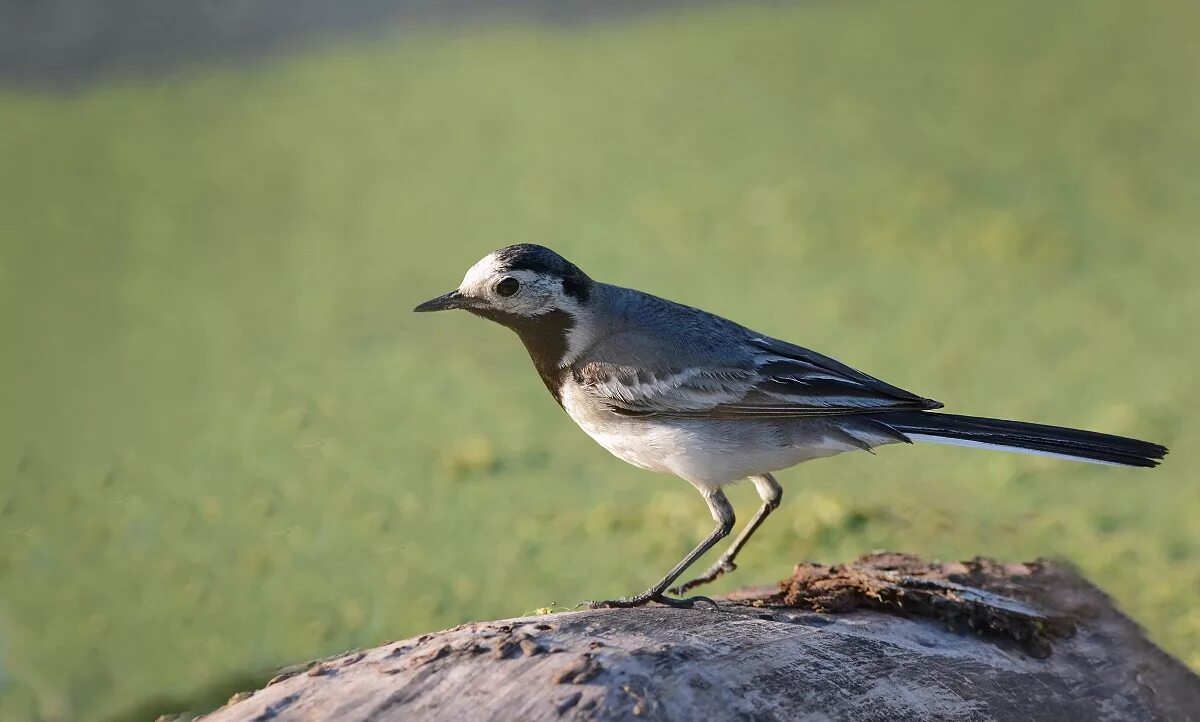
x=887, y=637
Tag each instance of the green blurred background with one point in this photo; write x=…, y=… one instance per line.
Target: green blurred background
x=227, y=445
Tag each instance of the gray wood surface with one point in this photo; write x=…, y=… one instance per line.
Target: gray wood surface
x=945, y=658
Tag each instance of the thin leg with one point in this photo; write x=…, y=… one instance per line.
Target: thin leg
x=722, y=512
x=771, y=494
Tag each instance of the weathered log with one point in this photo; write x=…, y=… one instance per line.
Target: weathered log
x=885, y=638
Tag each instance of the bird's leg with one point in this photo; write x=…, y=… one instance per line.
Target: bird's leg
x=722, y=512
x=771, y=494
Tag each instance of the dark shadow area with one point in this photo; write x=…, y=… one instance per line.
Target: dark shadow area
x=199, y=701
x=65, y=44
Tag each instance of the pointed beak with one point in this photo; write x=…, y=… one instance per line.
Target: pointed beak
x=444, y=302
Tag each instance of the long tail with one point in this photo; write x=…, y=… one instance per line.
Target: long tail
x=1023, y=437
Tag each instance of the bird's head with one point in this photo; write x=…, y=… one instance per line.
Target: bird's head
x=517, y=285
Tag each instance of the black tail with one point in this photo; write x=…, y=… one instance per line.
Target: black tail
x=1022, y=436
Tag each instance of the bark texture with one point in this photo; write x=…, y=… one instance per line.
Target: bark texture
x=887, y=637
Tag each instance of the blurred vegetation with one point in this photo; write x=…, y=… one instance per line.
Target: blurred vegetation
x=227, y=445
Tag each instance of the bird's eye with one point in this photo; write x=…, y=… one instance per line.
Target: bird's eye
x=508, y=287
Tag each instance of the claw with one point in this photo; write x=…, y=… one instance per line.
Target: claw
x=688, y=603
x=641, y=600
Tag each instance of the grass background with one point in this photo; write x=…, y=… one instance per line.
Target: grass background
x=227, y=445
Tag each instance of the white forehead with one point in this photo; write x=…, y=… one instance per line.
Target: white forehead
x=485, y=270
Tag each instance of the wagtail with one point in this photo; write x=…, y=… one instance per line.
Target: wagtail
x=678, y=390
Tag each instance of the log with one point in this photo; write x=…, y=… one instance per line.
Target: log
x=887, y=637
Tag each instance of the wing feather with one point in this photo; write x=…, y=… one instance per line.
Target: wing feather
x=779, y=380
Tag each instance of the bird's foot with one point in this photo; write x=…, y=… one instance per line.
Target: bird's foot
x=721, y=567
x=685, y=603
x=643, y=599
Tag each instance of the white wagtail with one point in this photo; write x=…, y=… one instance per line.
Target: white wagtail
x=674, y=389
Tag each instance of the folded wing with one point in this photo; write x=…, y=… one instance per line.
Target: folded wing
x=776, y=379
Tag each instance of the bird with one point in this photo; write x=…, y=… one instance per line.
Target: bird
x=674, y=389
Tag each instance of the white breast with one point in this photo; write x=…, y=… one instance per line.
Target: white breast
x=708, y=453
x=629, y=439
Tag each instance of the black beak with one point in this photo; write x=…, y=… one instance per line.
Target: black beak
x=444, y=302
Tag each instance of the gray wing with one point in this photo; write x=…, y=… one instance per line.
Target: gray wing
x=771, y=379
